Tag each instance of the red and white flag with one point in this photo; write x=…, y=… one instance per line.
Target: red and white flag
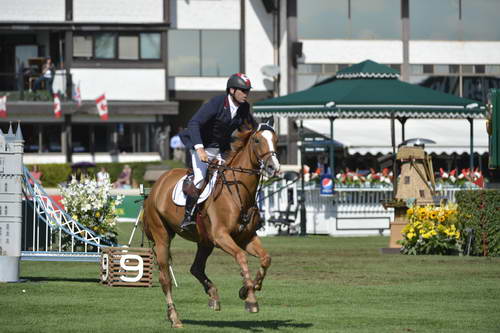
x=77, y=95
x=3, y=107
x=102, y=107
x=57, y=106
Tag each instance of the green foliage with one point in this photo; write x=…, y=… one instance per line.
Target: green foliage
x=55, y=174
x=480, y=211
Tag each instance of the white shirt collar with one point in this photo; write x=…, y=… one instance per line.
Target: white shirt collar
x=232, y=107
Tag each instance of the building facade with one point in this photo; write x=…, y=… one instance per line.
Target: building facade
x=158, y=61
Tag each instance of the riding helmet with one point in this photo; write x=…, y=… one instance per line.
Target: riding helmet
x=239, y=81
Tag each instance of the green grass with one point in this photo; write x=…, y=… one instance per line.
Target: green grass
x=315, y=284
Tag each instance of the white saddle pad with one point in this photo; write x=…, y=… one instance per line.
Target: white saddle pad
x=179, y=197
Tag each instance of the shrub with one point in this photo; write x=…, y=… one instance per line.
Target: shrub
x=480, y=211
x=55, y=174
x=431, y=230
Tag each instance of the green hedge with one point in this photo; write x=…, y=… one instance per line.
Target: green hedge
x=55, y=174
x=480, y=211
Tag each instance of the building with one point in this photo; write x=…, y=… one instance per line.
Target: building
x=158, y=61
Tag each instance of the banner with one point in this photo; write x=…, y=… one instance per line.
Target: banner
x=57, y=106
x=3, y=107
x=326, y=185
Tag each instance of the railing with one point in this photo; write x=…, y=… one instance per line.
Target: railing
x=21, y=86
x=55, y=234
x=350, y=211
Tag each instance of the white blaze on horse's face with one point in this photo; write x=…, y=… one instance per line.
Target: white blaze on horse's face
x=272, y=165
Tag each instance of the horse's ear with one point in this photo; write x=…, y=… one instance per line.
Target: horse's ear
x=270, y=121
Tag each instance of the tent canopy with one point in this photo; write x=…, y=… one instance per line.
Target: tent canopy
x=369, y=90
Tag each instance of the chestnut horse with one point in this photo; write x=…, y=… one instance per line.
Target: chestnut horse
x=228, y=219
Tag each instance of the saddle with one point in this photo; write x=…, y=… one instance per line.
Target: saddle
x=183, y=187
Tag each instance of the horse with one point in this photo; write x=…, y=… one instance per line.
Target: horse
x=228, y=219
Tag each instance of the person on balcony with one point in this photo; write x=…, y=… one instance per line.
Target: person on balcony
x=208, y=134
x=47, y=76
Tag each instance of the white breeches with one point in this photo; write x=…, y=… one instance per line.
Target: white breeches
x=200, y=168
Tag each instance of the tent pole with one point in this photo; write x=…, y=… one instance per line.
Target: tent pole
x=302, y=197
x=332, y=150
x=393, y=141
x=471, y=152
x=403, y=122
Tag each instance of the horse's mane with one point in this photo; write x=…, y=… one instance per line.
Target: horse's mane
x=239, y=139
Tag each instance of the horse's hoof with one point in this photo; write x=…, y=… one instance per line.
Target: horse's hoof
x=214, y=304
x=243, y=292
x=252, y=307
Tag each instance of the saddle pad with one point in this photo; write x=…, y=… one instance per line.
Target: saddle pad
x=179, y=197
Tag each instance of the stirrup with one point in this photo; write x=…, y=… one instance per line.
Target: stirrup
x=187, y=223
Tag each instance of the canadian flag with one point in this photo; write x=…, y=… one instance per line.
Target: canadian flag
x=57, y=106
x=3, y=106
x=102, y=107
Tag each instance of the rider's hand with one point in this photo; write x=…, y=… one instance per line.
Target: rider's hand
x=202, y=155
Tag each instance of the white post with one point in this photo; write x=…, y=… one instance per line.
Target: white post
x=11, y=170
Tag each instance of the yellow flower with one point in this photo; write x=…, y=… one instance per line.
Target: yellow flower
x=410, y=235
x=409, y=211
x=74, y=217
x=433, y=214
x=426, y=235
x=442, y=219
x=97, y=214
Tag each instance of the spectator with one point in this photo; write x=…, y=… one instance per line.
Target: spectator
x=125, y=178
x=37, y=174
x=103, y=176
x=178, y=147
x=48, y=71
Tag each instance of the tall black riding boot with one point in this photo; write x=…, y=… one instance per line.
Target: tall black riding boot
x=189, y=214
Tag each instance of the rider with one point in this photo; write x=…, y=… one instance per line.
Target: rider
x=208, y=134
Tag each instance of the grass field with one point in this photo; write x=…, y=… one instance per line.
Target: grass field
x=315, y=284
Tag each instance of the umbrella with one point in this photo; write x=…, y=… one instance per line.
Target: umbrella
x=83, y=165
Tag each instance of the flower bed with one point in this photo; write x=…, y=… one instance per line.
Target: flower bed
x=431, y=230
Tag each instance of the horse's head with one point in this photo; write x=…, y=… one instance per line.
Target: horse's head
x=263, y=142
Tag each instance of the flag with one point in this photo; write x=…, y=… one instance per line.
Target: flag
x=77, y=96
x=3, y=107
x=102, y=107
x=57, y=106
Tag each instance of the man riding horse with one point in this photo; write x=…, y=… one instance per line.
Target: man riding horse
x=208, y=135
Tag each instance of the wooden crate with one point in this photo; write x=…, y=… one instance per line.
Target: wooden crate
x=122, y=266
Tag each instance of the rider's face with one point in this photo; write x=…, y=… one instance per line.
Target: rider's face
x=240, y=95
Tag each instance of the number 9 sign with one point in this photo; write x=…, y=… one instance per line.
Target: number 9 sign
x=120, y=267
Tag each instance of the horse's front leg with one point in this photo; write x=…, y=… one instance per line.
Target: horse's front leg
x=254, y=248
x=227, y=244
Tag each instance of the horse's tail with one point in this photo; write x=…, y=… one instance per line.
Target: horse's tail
x=144, y=221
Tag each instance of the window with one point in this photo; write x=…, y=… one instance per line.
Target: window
x=435, y=20
x=326, y=19
x=121, y=46
x=150, y=45
x=203, y=52
x=480, y=19
x=469, y=81
x=105, y=46
x=82, y=46
x=128, y=47
x=352, y=19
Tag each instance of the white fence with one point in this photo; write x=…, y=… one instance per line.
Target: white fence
x=349, y=212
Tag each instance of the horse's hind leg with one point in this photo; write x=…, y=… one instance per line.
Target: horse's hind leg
x=198, y=270
x=162, y=238
x=254, y=247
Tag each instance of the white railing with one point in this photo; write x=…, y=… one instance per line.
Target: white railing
x=49, y=224
x=350, y=211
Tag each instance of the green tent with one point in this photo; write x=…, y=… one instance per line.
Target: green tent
x=369, y=90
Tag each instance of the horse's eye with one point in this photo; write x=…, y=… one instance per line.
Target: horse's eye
x=256, y=140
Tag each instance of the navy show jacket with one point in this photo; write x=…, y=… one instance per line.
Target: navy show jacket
x=212, y=125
